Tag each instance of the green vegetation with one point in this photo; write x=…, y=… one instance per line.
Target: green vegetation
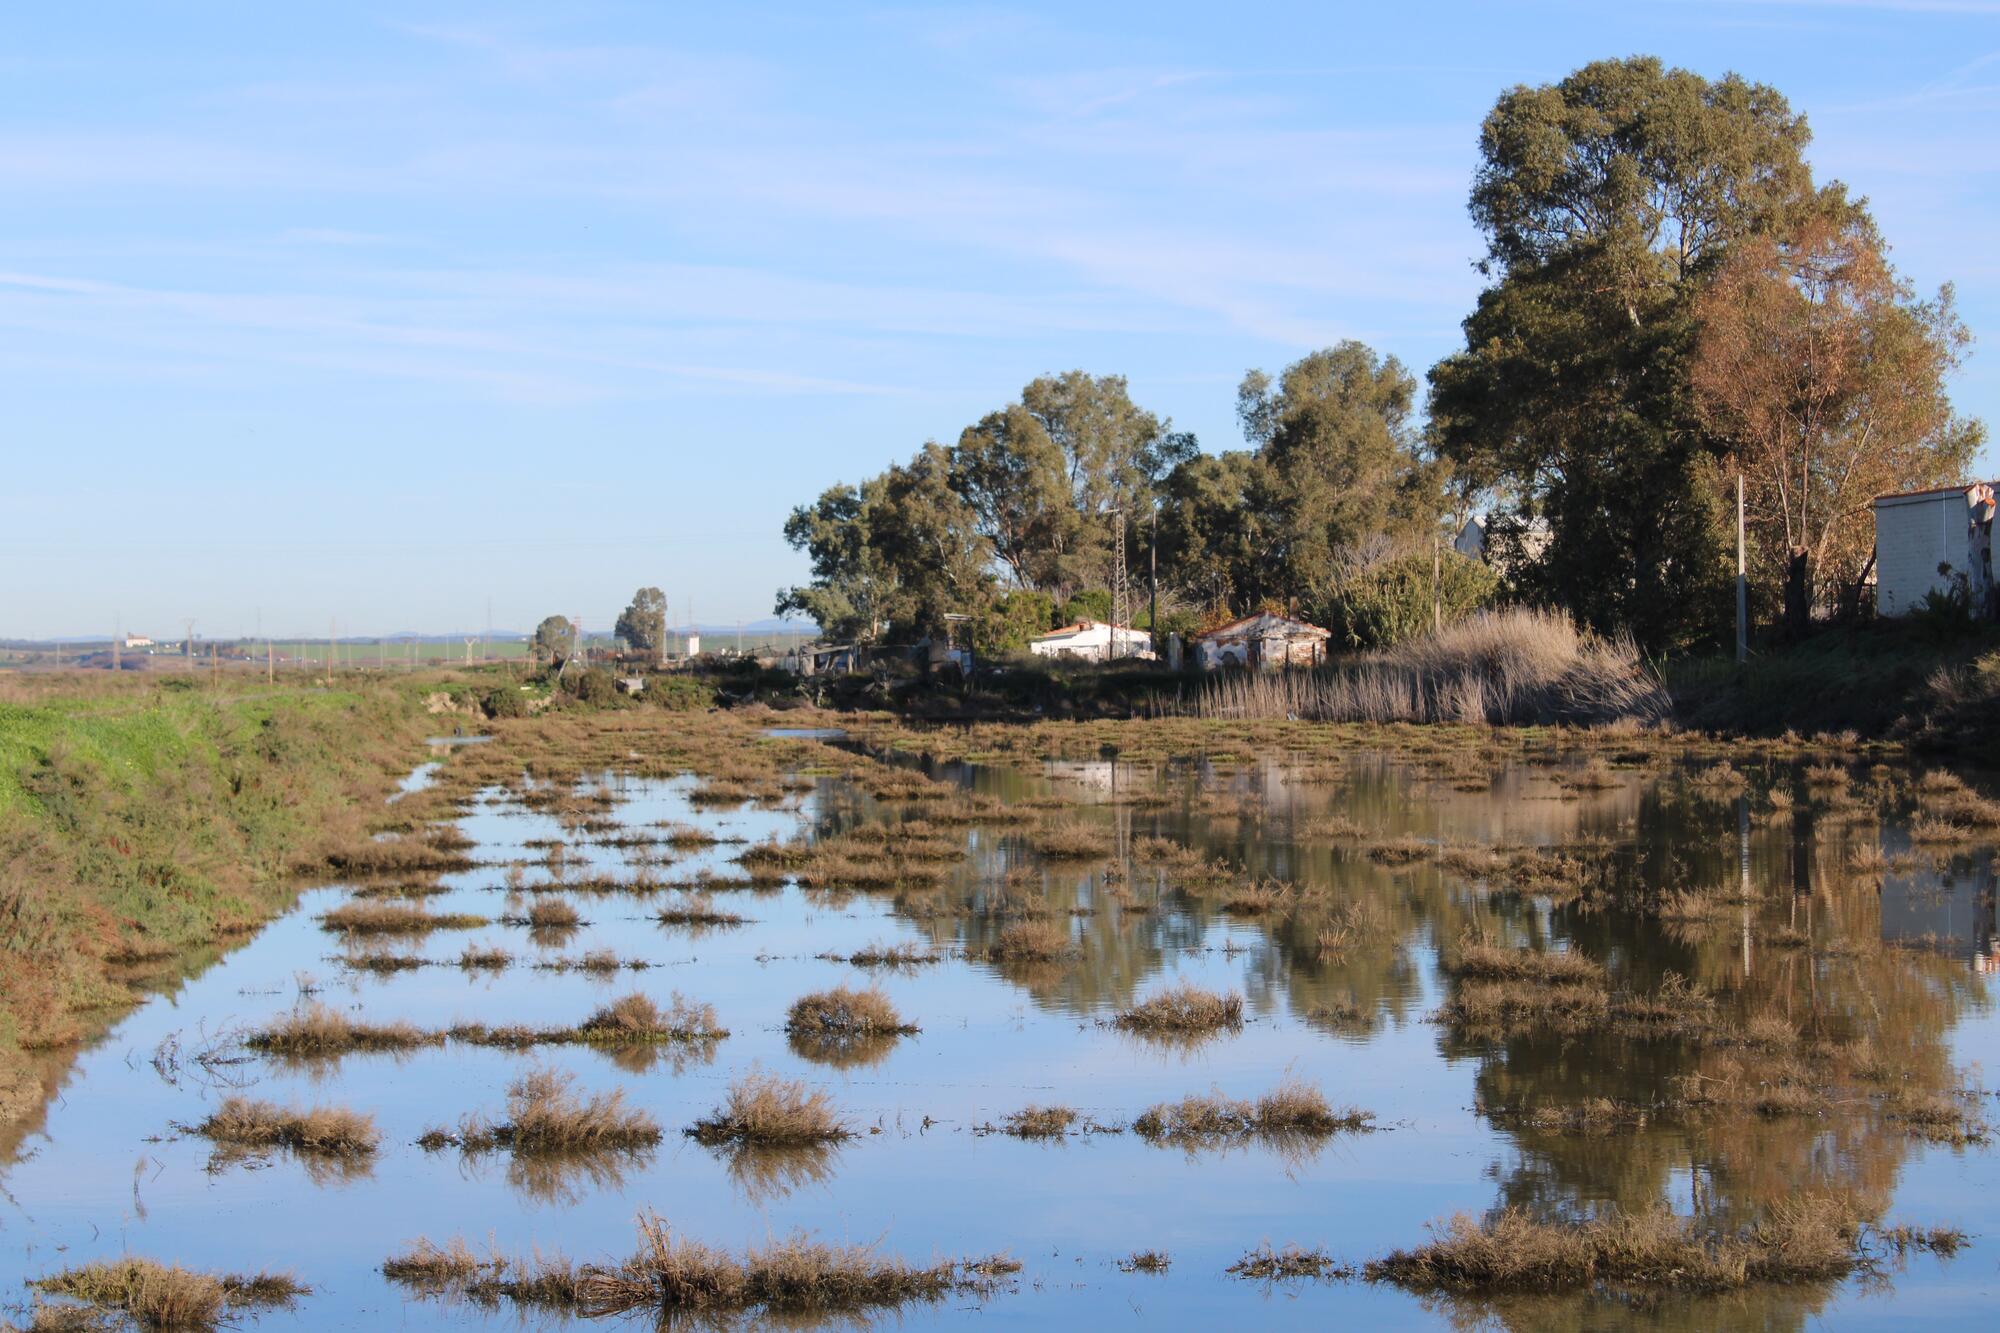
x=144, y=818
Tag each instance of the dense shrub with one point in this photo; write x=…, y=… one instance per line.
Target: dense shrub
x=504, y=701
x=1391, y=601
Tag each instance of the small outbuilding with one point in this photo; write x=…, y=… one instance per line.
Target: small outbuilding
x=1265, y=641
x=1927, y=540
x=1094, y=641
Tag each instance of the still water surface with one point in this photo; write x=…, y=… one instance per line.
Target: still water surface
x=111, y=1175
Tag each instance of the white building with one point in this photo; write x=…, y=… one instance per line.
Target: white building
x=137, y=641
x=1092, y=640
x=1926, y=540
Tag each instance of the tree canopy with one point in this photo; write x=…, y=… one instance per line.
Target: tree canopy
x=643, y=624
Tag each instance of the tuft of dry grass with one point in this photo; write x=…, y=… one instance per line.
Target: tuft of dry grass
x=167, y=1296
x=375, y=917
x=490, y=959
x=1069, y=840
x=1292, y=1108
x=765, y=1109
x=907, y=953
x=1029, y=941
x=329, y=1131
x=635, y=1017
x=316, y=1030
x=845, y=1012
x=794, y=1279
x=1039, y=1122
x=546, y=1116
x=1805, y=1238
x=696, y=909
x=1145, y=1261
x=553, y=914
x=1479, y=960
x=1291, y=1264
x=1182, y=1009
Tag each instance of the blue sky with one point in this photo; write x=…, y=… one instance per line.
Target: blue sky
x=371, y=313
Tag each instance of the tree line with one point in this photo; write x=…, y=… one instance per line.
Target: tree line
x=1671, y=303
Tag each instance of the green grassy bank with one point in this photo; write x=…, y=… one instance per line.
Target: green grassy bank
x=144, y=819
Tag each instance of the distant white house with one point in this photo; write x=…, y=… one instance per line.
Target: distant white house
x=1473, y=539
x=1092, y=640
x=1925, y=540
x=137, y=641
x=1263, y=640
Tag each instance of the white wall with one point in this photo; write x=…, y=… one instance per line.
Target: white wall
x=1911, y=538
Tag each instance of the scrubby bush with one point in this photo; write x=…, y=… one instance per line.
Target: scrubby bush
x=1392, y=600
x=504, y=701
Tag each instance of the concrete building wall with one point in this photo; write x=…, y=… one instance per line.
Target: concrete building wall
x=1913, y=535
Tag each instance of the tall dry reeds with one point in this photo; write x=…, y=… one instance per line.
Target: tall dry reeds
x=1510, y=666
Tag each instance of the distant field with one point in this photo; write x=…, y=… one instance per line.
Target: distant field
x=364, y=653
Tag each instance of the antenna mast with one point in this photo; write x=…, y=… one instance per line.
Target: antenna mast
x=1121, y=593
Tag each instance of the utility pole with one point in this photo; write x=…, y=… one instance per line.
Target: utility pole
x=117, y=642
x=1121, y=610
x=270, y=664
x=1742, y=585
x=1153, y=578
x=187, y=643
x=1437, y=612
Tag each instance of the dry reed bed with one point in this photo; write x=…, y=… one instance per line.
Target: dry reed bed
x=167, y=1296
x=844, y=1012
x=318, y=1031
x=899, y=955
x=1502, y=667
x=1291, y=1264
x=1034, y=941
x=697, y=909
x=1808, y=1238
x=794, y=1279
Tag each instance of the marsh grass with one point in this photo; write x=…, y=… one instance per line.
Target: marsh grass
x=375, y=917
x=1479, y=959
x=1069, y=840
x=553, y=914
x=696, y=909
x=597, y=962
x=167, y=1296
x=316, y=1030
x=1183, y=1010
x=844, y=1011
x=1145, y=1261
x=1040, y=1122
x=1806, y=1238
x=491, y=958
x=1291, y=1264
x=789, y=1280
x=904, y=954
x=764, y=1109
x=1292, y=1109
x=324, y=1131
x=631, y=1020
x=1036, y=941
x=546, y=1116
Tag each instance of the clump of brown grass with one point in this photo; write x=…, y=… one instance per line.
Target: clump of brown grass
x=906, y=953
x=443, y=850
x=1479, y=960
x=374, y=917
x=1029, y=941
x=696, y=909
x=318, y=1030
x=1944, y=1241
x=1069, y=840
x=1292, y=1108
x=544, y=1115
x=167, y=1296
x=1291, y=1264
x=1183, y=1009
x=636, y=1017
x=1803, y=1239
x=1039, y=1122
x=553, y=914
x=791, y=1279
x=765, y=1109
x=1145, y=1261
x=329, y=1131
x=490, y=959
x=1258, y=899
x=845, y=1012
x=1403, y=851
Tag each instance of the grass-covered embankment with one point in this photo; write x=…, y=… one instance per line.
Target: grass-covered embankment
x=144, y=819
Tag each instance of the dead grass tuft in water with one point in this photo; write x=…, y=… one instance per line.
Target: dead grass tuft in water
x=764, y=1109
x=696, y=909
x=1145, y=1261
x=545, y=1116
x=904, y=954
x=1183, y=1009
x=1290, y=1264
x=1029, y=941
x=1291, y=1109
x=316, y=1030
x=794, y=1279
x=375, y=917
x=845, y=1012
x=328, y=1131
x=1480, y=960
x=1070, y=840
x=1804, y=1239
x=167, y=1296
x=1040, y=1122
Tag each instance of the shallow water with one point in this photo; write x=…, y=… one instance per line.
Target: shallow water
x=110, y=1174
